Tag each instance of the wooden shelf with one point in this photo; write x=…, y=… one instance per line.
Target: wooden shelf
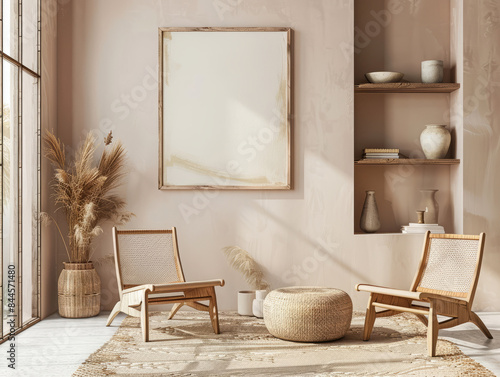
x=406, y=161
x=387, y=234
x=406, y=87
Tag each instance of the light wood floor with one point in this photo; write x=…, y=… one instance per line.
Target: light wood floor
x=57, y=346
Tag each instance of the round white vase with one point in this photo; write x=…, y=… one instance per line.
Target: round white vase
x=435, y=140
x=432, y=71
x=258, y=303
x=245, y=301
x=429, y=204
x=370, y=220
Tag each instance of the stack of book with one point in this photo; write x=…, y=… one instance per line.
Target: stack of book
x=377, y=153
x=414, y=228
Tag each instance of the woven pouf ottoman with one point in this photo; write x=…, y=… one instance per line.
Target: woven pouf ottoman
x=308, y=314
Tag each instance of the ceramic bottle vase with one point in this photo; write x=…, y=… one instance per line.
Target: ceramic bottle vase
x=258, y=303
x=435, y=141
x=429, y=204
x=370, y=220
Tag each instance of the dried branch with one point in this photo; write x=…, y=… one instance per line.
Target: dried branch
x=85, y=192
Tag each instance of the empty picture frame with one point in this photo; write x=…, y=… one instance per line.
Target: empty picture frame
x=225, y=108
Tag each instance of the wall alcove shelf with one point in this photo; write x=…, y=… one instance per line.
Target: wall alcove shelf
x=406, y=161
x=406, y=87
x=393, y=115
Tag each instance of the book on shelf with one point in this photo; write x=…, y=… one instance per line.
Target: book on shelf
x=369, y=156
x=381, y=150
x=415, y=228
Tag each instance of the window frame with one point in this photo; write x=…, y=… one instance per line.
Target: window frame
x=20, y=325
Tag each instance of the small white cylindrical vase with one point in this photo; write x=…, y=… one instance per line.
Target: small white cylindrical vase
x=429, y=204
x=245, y=302
x=435, y=140
x=258, y=303
x=432, y=71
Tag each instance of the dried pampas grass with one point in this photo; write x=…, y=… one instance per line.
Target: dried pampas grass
x=84, y=192
x=243, y=262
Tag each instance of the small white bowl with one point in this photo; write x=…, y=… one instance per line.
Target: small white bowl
x=383, y=77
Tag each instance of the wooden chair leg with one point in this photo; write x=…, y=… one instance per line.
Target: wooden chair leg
x=114, y=313
x=369, y=319
x=145, y=317
x=175, y=309
x=213, y=311
x=474, y=318
x=198, y=306
x=422, y=319
x=432, y=330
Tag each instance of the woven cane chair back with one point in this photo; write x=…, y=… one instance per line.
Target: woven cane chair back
x=450, y=266
x=147, y=257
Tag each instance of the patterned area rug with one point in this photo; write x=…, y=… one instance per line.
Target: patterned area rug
x=187, y=346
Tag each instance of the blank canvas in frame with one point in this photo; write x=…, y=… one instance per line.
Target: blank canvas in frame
x=225, y=108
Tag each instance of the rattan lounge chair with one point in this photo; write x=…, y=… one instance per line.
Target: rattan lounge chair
x=149, y=271
x=446, y=280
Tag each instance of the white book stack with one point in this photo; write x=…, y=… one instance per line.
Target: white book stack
x=415, y=228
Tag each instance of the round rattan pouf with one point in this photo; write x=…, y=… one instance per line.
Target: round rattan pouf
x=308, y=314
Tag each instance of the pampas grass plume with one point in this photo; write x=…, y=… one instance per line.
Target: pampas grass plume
x=243, y=262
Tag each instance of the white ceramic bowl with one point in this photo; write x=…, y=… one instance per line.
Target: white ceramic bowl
x=383, y=77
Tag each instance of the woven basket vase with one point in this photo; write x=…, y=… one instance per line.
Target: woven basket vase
x=79, y=291
x=308, y=314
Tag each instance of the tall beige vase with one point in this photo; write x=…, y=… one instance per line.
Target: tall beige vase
x=370, y=220
x=79, y=291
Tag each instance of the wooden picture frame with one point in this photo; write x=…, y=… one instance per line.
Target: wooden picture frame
x=225, y=108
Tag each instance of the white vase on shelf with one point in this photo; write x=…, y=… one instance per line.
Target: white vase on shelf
x=435, y=140
x=429, y=204
x=432, y=71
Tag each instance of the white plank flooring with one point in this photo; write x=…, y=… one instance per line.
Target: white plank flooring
x=56, y=346
x=473, y=343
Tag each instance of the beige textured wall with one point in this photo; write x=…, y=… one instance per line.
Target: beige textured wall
x=482, y=138
x=49, y=121
x=107, y=80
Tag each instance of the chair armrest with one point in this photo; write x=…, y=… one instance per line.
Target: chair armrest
x=177, y=287
x=138, y=288
x=426, y=295
x=390, y=292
